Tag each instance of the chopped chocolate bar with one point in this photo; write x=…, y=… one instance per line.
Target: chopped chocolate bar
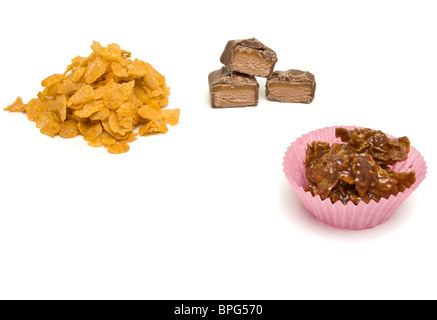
x=291, y=86
x=232, y=89
x=249, y=56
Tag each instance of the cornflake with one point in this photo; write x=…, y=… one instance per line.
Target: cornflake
x=103, y=97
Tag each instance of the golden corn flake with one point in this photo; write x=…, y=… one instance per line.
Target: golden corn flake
x=35, y=109
x=153, y=127
x=88, y=109
x=110, y=53
x=69, y=129
x=59, y=106
x=50, y=124
x=90, y=130
x=83, y=95
x=17, y=106
x=150, y=113
x=131, y=137
x=51, y=80
x=104, y=97
x=119, y=70
x=97, y=142
x=171, y=116
x=137, y=68
x=102, y=114
x=95, y=69
x=118, y=94
x=77, y=73
x=118, y=148
x=108, y=141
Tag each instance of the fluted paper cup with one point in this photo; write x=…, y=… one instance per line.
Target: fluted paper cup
x=338, y=215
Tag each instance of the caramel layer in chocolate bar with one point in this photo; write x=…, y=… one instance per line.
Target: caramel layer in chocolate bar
x=249, y=56
x=291, y=86
x=232, y=89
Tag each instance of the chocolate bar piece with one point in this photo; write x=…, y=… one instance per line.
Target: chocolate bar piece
x=249, y=56
x=232, y=89
x=291, y=86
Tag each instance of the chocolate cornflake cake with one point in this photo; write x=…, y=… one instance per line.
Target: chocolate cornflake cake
x=357, y=170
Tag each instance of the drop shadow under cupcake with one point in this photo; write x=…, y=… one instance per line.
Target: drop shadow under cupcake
x=296, y=213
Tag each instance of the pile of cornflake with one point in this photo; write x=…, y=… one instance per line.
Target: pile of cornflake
x=104, y=97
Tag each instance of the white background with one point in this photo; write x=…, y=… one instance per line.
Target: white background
x=204, y=211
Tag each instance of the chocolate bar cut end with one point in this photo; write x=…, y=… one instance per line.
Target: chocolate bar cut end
x=232, y=89
x=291, y=86
x=249, y=56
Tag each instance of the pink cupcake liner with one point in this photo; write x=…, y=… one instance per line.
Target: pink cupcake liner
x=338, y=215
